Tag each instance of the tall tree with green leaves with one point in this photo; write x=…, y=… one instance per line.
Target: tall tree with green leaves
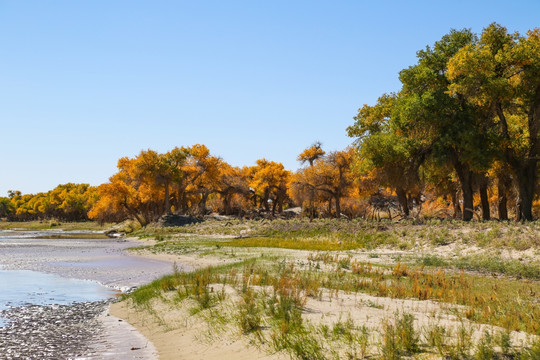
x=500, y=73
x=382, y=153
x=449, y=125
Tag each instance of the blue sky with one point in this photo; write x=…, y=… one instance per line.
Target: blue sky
x=83, y=83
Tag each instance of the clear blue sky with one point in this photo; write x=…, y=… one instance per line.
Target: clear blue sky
x=83, y=83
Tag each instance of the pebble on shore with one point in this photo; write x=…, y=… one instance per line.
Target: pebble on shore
x=51, y=331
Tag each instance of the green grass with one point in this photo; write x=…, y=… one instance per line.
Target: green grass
x=486, y=264
x=356, y=234
x=274, y=317
x=507, y=303
x=335, y=242
x=185, y=283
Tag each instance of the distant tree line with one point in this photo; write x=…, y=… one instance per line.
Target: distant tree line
x=460, y=139
x=69, y=202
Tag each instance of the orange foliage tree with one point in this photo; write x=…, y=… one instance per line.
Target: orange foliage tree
x=232, y=182
x=133, y=192
x=268, y=181
x=152, y=184
x=202, y=175
x=327, y=179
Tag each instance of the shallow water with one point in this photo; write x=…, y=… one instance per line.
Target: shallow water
x=39, y=267
x=21, y=287
x=101, y=260
x=39, y=271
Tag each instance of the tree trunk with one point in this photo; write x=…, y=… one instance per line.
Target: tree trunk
x=455, y=203
x=329, y=207
x=202, y=204
x=167, y=209
x=337, y=199
x=264, y=200
x=484, y=199
x=465, y=178
x=183, y=202
x=528, y=173
x=311, y=204
x=468, y=205
x=254, y=199
x=502, y=190
x=142, y=221
x=526, y=183
x=525, y=169
x=227, y=204
x=402, y=199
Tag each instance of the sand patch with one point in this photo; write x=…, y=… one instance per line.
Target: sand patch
x=175, y=338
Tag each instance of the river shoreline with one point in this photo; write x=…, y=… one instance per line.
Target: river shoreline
x=81, y=330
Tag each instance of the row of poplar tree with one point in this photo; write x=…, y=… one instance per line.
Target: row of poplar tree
x=463, y=133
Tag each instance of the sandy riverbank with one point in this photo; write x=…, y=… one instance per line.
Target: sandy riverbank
x=178, y=334
x=175, y=339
